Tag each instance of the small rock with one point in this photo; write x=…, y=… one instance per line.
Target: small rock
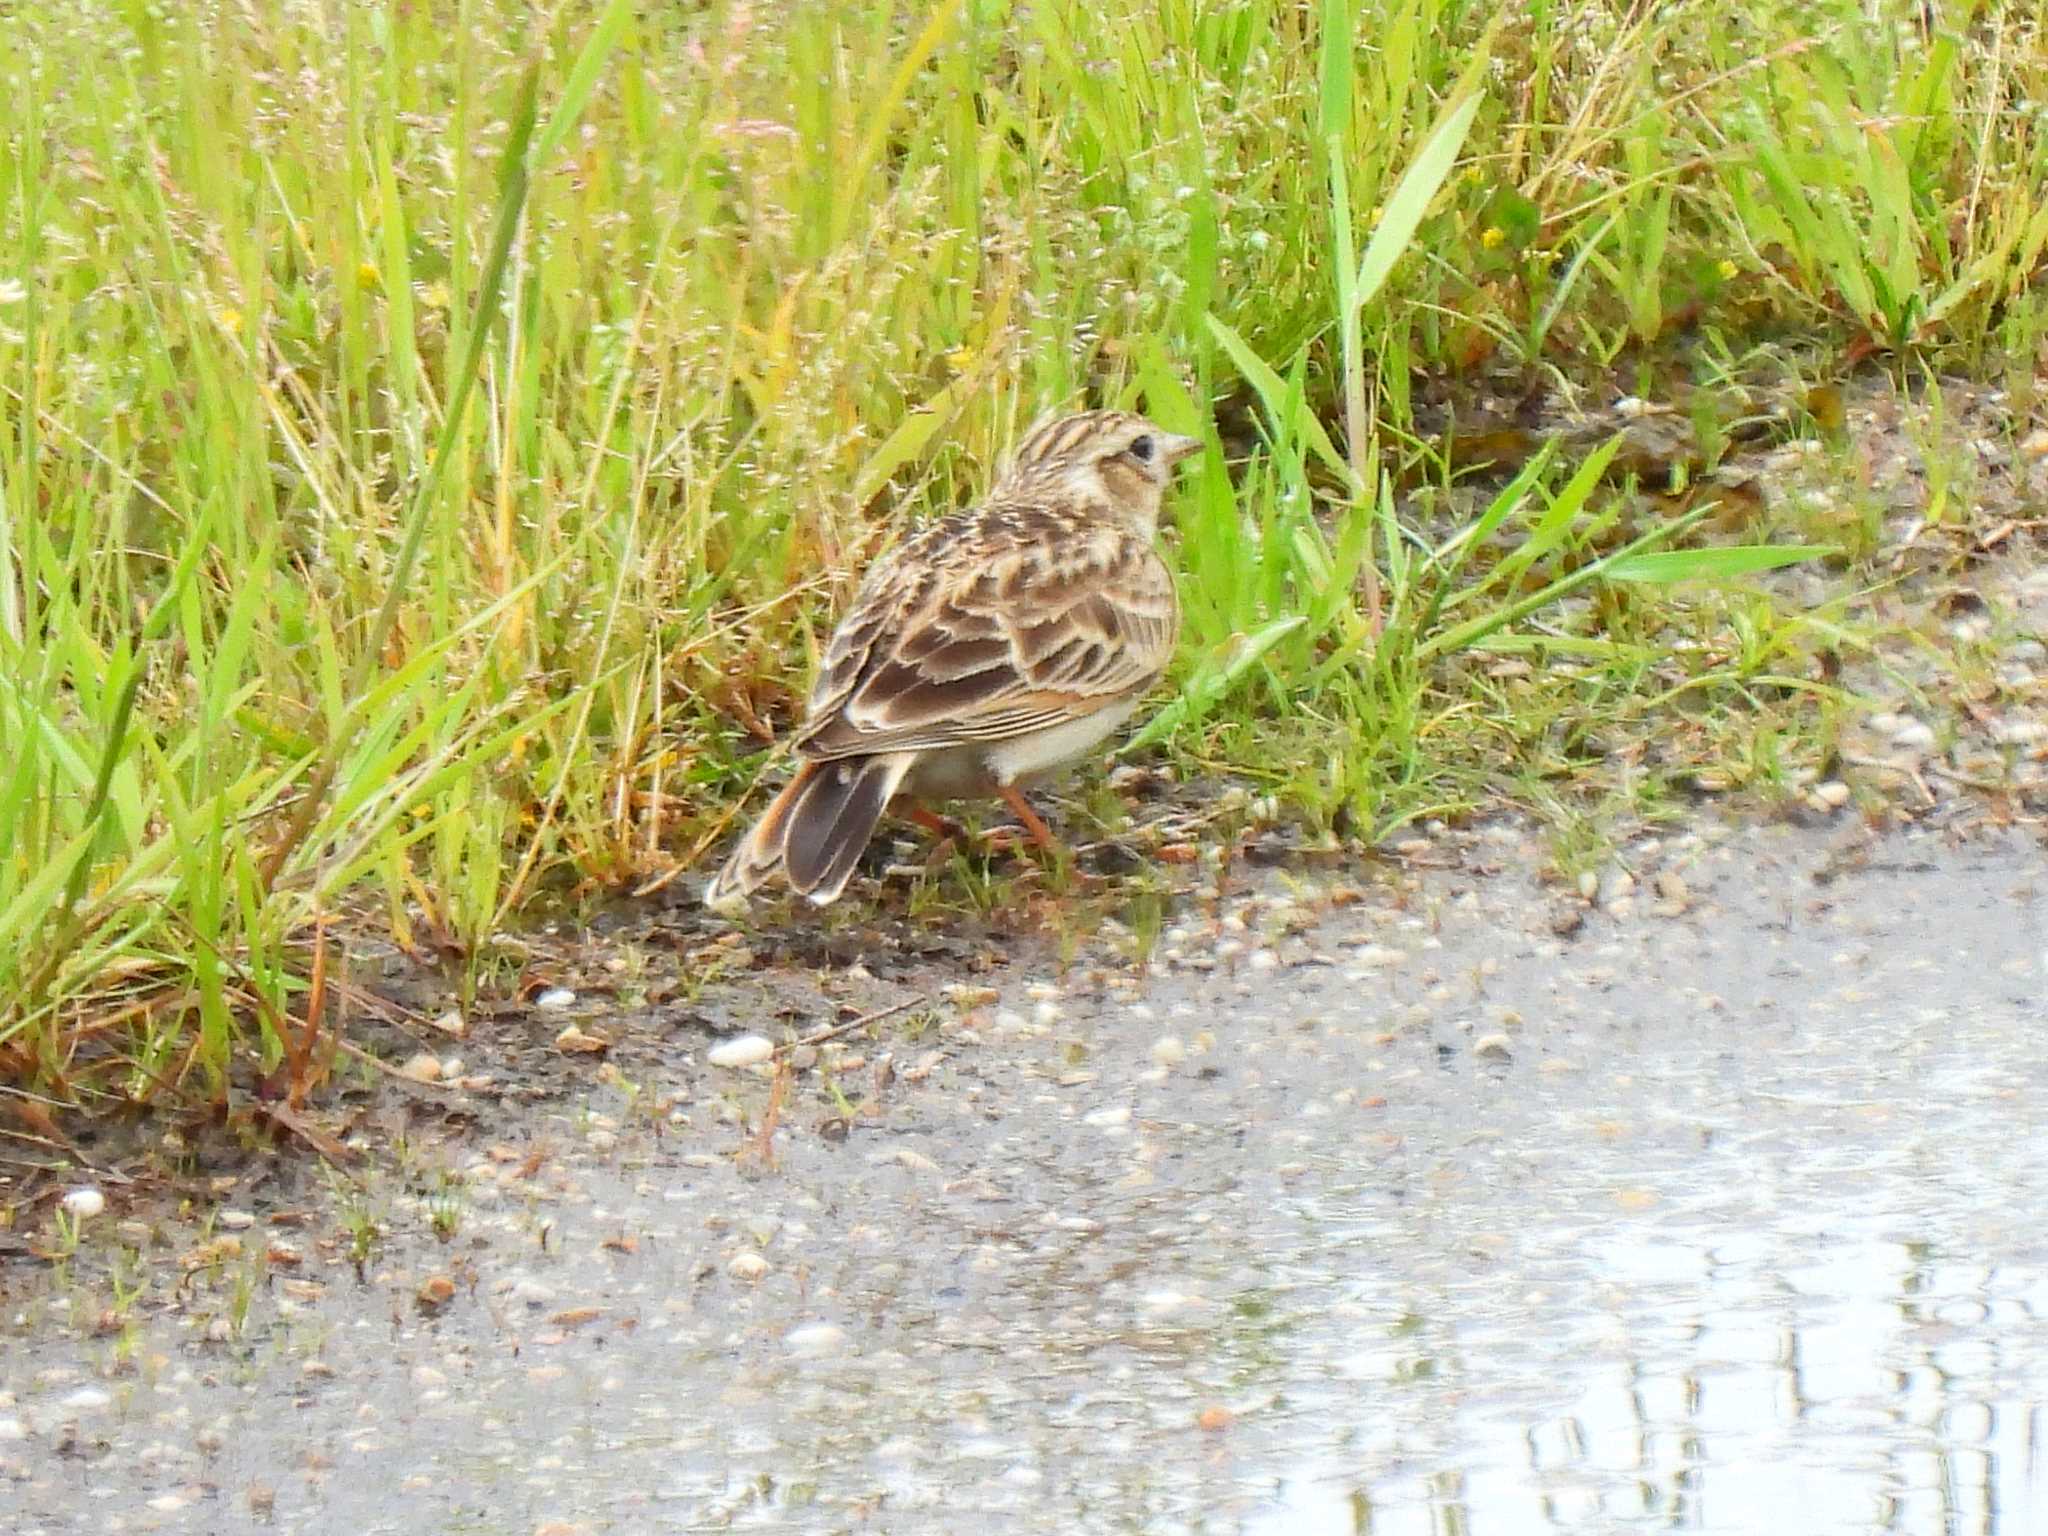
x=574, y=1041
x=1589, y=884
x=435, y=1291
x=1169, y=1051
x=2013, y=732
x=85, y=1203
x=1493, y=1047
x=13, y=1429
x=86, y=1399
x=741, y=1051
x=1673, y=896
x=422, y=1068
x=1831, y=795
x=1213, y=1419
x=534, y=1293
x=814, y=1341
x=237, y=1221
x=1914, y=736
x=555, y=998
x=748, y=1266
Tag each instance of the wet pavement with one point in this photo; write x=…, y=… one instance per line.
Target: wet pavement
x=1440, y=1203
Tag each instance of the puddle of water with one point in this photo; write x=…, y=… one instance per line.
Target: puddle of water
x=1742, y=1238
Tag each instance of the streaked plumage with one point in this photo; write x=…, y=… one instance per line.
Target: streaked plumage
x=993, y=647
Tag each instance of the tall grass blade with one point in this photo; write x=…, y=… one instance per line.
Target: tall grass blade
x=1410, y=200
x=513, y=180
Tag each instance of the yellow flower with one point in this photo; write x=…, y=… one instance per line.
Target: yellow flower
x=229, y=319
x=1728, y=270
x=1493, y=236
x=367, y=276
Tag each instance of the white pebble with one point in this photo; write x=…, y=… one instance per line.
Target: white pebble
x=554, y=998
x=423, y=1068
x=13, y=1429
x=748, y=1266
x=86, y=1398
x=85, y=1203
x=1833, y=794
x=534, y=1293
x=1108, y=1118
x=1914, y=735
x=1492, y=1047
x=814, y=1340
x=741, y=1051
x=1169, y=1051
x=237, y=1221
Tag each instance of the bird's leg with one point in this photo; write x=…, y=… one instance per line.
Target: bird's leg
x=939, y=826
x=1034, y=828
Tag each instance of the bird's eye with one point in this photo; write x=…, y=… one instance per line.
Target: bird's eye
x=1141, y=450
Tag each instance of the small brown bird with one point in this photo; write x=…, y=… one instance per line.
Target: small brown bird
x=990, y=649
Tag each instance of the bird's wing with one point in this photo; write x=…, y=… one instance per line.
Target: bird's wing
x=991, y=626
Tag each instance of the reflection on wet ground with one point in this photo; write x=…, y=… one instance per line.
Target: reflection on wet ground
x=1723, y=1220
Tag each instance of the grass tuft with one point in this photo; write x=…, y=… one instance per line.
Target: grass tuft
x=437, y=438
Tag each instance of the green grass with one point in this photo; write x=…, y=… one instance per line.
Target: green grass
x=411, y=506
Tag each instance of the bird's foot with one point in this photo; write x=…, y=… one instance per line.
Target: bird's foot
x=945, y=828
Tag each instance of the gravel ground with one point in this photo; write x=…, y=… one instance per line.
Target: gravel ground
x=1438, y=1201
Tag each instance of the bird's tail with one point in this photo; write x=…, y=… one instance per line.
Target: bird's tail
x=813, y=832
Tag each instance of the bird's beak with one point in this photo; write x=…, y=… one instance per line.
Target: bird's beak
x=1178, y=448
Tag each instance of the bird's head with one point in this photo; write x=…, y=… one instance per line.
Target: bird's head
x=1109, y=458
